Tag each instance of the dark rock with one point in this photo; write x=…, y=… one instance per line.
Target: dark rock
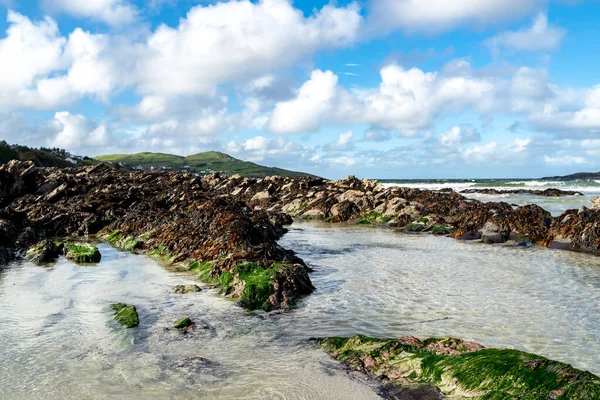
x=44, y=252
x=469, y=236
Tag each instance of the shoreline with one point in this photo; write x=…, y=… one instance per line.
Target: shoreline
x=225, y=229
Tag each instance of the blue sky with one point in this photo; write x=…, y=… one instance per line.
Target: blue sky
x=376, y=88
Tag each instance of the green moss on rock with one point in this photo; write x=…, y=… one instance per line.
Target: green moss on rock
x=126, y=315
x=464, y=370
x=415, y=227
x=185, y=289
x=83, y=253
x=44, y=252
x=132, y=244
x=114, y=237
x=258, y=281
x=439, y=229
x=373, y=218
x=183, y=323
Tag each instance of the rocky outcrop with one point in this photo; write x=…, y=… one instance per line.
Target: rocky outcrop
x=546, y=192
x=415, y=210
x=175, y=216
x=440, y=368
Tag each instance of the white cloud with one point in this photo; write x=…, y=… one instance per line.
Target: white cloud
x=113, y=12
x=406, y=101
x=48, y=70
x=441, y=15
x=539, y=37
x=459, y=135
x=564, y=160
x=74, y=132
x=342, y=143
x=480, y=154
x=235, y=40
x=276, y=151
x=30, y=51
x=375, y=135
x=206, y=122
x=314, y=101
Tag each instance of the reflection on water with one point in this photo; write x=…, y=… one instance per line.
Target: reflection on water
x=393, y=284
x=59, y=340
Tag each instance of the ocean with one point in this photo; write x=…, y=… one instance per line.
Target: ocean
x=556, y=205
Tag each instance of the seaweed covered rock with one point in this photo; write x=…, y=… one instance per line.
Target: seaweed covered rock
x=258, y=286
x=45, y=251
x=185, y=289
x=183, y=323
x=83, y=253
x=126, y=315
x=462, y=369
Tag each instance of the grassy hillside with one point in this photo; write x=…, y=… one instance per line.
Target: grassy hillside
x=40, y=157
x=210, y=161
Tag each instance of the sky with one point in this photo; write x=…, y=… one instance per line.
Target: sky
x=375, y=88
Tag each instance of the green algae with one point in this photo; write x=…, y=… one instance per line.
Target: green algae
x=126, y=315
x=45, y=251
x=83, y=253
x=114, y=237
x=185, y=289
x=481, y=374
x=132, y=244
x=183, y=323
x=415, y=227
x=373, y=218
x=439, y=229
x=129, y=243
x=257, y=280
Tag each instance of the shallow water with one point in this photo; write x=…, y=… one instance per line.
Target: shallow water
x=59, y=340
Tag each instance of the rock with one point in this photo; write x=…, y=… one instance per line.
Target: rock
x=491, y=233
x=44, y=252
x=469, y=236
x=344, y=211
x=313, y=214
x=183, y=323
x=82, y=253
x=126, y=315
x=185, y=289
x=357, y=197
x=261, y=196
x=596, y=203
x=436, y=368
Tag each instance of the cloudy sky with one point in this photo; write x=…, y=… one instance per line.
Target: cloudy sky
x=377, y=88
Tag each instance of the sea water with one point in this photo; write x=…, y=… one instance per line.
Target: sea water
x=59, y=339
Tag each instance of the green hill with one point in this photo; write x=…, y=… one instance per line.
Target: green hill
x=41, y=157
x=210, y=161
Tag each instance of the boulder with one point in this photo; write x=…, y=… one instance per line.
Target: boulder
x=344, y=211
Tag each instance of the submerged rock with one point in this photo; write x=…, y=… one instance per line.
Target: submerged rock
x=185, y=289
x=82, y=253
x=183, y=323
x=460, y=369
x=126, y=315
